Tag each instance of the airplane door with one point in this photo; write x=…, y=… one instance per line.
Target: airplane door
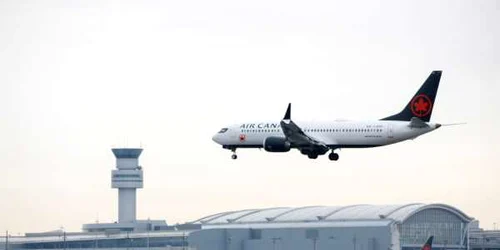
x=390, y=132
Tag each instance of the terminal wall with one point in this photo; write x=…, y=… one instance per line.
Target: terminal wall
x=356, y=238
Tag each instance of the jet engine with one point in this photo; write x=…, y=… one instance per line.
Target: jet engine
x=276, y=144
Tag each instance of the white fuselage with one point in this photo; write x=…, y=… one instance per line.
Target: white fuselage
x=335, y=134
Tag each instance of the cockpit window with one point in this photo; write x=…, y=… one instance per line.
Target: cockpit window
x=223, y=130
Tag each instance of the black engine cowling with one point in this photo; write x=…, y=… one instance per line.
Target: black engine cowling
x=276, y=144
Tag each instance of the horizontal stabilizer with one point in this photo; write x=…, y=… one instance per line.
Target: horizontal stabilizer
x=417, y=123
x=453, y=124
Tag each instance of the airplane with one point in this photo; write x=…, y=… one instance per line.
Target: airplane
x=428, y=244
x=318, y=138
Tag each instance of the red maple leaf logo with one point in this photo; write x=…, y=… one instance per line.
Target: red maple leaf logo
x=242, y=137
x=421, y=105
x=426, y=247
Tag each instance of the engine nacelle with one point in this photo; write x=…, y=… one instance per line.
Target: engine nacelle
x=276, y=144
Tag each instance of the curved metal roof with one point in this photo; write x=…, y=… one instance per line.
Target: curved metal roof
x=398, y=213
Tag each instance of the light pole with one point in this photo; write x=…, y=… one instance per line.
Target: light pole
x=7, y=240
x=147, y=234
x=64, y=238
x=184, y=240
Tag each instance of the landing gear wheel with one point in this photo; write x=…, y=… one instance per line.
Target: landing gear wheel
x=312, y=156
x=234, y=156
x=333, y=156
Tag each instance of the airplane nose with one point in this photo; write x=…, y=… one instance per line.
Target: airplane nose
x=215, y=138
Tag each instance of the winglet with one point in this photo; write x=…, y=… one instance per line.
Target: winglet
x=288, y=112
x=428, y=244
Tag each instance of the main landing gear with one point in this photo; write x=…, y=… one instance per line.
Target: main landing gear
x=333, y=156
x=312, y=155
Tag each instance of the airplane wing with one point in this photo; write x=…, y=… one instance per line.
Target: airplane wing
x=297, y=137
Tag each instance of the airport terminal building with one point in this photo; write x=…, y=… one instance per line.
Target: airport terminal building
x=366, y=227
x=357, y=227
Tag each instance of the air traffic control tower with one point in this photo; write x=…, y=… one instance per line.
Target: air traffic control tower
x=127, y=177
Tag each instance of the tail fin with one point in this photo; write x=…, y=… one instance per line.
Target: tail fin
x=428, y=244
x=422, y=102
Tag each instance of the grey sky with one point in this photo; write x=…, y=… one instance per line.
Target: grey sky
x=79, y=77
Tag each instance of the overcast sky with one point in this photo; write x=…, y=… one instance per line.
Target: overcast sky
x=80, y=77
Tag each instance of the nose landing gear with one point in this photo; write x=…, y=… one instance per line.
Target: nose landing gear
x=234, y=156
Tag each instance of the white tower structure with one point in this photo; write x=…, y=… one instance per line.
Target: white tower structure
x=127, y=178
